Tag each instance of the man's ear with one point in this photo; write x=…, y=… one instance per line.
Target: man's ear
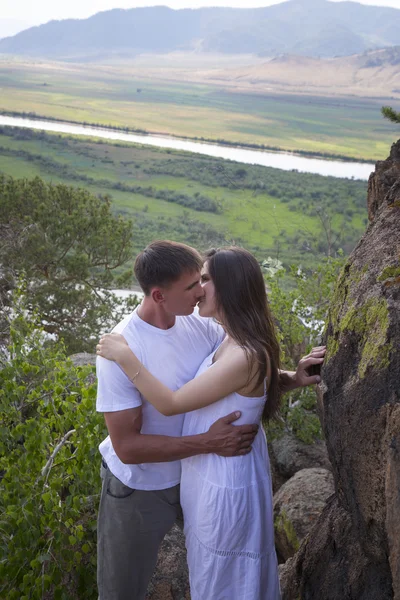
x=157, y=296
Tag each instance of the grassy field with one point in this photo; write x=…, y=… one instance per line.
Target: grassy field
x=198, y=200
x=111, y=95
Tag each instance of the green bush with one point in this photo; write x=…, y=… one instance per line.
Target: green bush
x=300, y=314
x=49, y=469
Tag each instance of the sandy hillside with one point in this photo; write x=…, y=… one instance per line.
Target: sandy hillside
x=374, y=74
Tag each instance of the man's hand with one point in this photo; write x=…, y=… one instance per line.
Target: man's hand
x=307, y=372
x=231, y=440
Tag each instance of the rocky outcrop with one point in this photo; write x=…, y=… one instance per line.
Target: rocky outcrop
x=82, y=359
x=288, y=455
x=297, y=507
x=85, y=359
x=353, y=551
x=384, y=182
x=170, y=580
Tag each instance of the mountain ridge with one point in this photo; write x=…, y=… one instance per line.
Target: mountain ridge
x=317, y=28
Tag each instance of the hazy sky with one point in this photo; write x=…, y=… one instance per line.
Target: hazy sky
x=19, y=14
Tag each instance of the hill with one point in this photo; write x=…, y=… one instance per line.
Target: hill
x=370, y=74
x=303, y=27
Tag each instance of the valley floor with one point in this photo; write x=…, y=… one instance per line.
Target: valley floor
x=210, y=100
x=203, y=201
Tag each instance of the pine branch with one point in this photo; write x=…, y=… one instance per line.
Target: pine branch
x=390, y=114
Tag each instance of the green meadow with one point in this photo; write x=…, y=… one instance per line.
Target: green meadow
x=351, y=126
x=199, y=200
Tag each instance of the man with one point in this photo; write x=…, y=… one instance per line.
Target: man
x=141, y=456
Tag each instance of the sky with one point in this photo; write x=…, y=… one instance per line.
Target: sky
x=16, y=15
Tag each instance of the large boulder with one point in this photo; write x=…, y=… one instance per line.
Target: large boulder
x=297, y=507
x=353, y=552
x=288, y=455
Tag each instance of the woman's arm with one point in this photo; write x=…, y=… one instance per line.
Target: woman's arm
x=227, y=375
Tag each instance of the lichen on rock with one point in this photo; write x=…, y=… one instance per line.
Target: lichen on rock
x=370, y=323
x=390, y=272
x=284, y=528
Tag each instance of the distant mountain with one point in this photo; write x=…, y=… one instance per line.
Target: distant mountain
x=317, y=28
x=371, y=74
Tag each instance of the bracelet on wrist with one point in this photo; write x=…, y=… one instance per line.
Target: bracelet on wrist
x=132, y=379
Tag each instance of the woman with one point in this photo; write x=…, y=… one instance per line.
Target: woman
x=227, y=502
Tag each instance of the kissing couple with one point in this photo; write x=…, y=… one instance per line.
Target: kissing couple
x=184, y=392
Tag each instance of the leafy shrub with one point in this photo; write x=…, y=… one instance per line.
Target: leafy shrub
x=49, y=488
x=300, y=314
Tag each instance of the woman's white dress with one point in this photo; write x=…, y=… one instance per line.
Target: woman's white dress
x=227, y=507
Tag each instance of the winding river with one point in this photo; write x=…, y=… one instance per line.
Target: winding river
x=277, y=160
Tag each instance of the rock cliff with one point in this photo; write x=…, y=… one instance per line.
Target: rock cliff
x=353, y=552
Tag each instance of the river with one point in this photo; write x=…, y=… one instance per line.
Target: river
x=277, y=160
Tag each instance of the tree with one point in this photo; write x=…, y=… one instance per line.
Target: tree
x=66, y=244
x=390, y=114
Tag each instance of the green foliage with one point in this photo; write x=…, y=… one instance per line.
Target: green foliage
x=198, y=202
x=66, y=244
x=390, y=114
x=300, y=313
x=293, y=217
x=49, y=488
x=185, y=229
x=308, y=189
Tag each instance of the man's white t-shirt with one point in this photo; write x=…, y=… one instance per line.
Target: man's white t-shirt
x=173, y=356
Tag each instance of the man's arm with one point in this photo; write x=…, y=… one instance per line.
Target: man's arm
x=133, y=447
x=290, y=380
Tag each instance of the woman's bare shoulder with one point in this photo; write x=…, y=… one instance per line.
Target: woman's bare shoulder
x=237, y=354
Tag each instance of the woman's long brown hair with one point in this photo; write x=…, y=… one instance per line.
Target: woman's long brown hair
x=242, y=303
